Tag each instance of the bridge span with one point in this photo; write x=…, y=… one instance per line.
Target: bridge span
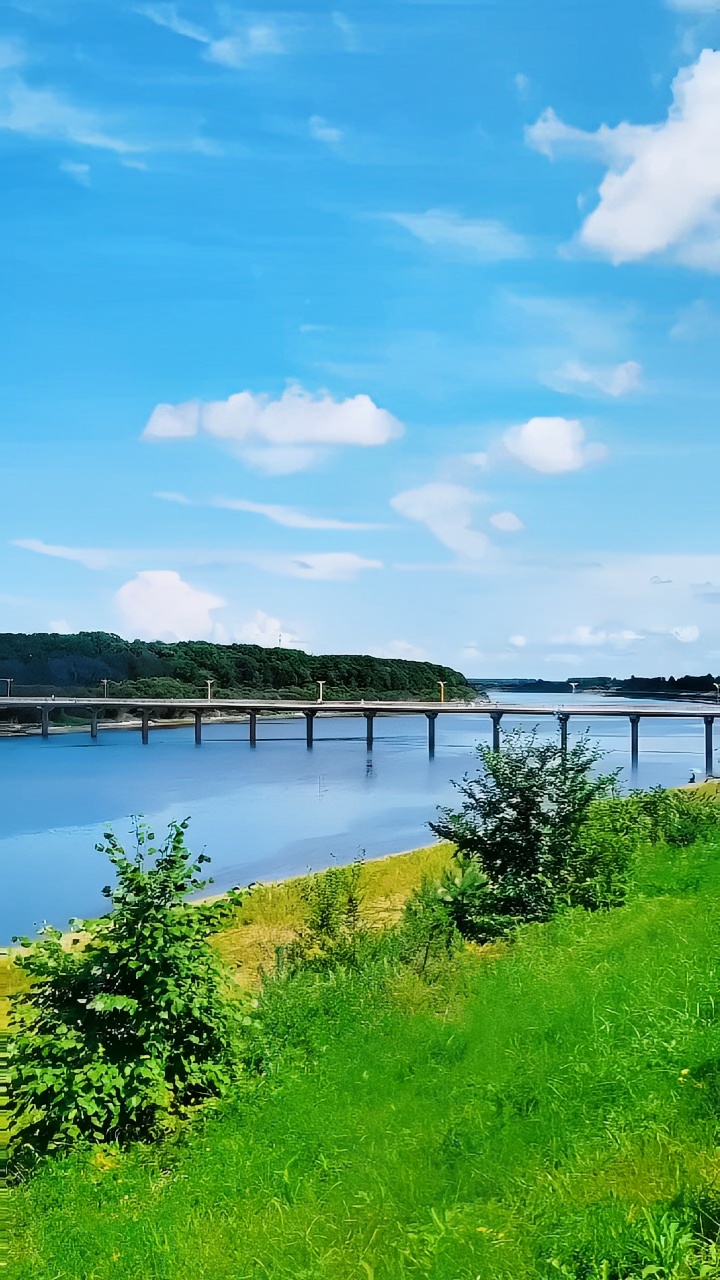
x=196, y=708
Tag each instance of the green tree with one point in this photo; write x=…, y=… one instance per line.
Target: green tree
x=119, y=1035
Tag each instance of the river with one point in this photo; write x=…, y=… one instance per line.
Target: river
x=262, y=813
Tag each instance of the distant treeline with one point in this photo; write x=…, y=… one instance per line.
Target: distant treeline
x=667, y=686
x=76, y=665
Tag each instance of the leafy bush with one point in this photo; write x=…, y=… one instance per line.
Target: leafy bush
x=678, y=817
x=522, y=837
x=332, y=932
x=118, y=1037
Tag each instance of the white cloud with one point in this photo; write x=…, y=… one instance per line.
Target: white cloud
x=686, y=635
x=11, y=54
x=661, y=193
x=90, y=557
x=587, y=637
x=43, y=113
x=327, y=566
x=288, y=516
x=255, y=40
x=552, y=445
x=694, y=6
x=166, y=15
x=251, y=40
x=80, y=173
x=518, y=642
x=400, y=649
x=278, y=436
x=522, y=84
x=60, y=627
x=613, y=380
x=696, y=321
x=484, y=239
x=157, y=604
x=348, y=31
x=267, y=631
x=506, y=522
x=447, y=511
x=180, y=498
x=322, y=131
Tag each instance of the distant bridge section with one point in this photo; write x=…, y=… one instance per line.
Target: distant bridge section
x=196, y=708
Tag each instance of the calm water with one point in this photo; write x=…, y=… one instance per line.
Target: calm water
x=261, y=814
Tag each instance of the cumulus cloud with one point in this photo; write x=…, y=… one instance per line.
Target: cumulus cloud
x=322, y=131
x=277, y=436
x=484, y=239
x=506, y=522
x=686, y=635
x=610, y=380
x=517, y=642
x=157, y=604
x=447, y=511
x=267, y=631
x=552, y=445
x=661, y=192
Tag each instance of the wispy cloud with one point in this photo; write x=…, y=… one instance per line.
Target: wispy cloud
x=447, y=511
x=244, y=41
x=609, y=380
x=322, y=131
x=43, y=113
x=79, y=173
x=483, y=239
x=289, y=516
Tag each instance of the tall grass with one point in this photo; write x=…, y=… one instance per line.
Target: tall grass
x=541, y=1109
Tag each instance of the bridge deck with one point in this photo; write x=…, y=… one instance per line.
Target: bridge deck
x=694, y=710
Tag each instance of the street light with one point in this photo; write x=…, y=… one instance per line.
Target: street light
x=717, y=691
x=105, y=684
x=442, y=690
x=9, y=683
x=573, y=684
x=210, y=684
x=320, y=684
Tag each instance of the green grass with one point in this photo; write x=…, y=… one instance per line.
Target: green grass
x=532, y=1103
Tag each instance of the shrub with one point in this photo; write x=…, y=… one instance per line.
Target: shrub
x=523, y=837
x=117, y=1038
x=678, y=817
x=332, y=932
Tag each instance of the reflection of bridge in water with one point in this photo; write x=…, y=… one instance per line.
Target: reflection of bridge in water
x=253, y=708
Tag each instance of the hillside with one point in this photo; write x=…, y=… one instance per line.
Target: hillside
x=77, y=664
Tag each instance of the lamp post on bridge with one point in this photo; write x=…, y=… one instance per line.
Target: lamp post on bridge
x=9, y=683
x=105, y=684
x=442, y=690
x=716, y=685
x=210, y=684
x=320, y=684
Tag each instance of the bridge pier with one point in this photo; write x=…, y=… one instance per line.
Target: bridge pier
x=563, y=717
x=198, y=727
x=634, y=742
x=309, y=726
x=369, y=719
x=93, y=724
x=145, y=725
x=496, y=717
x=431, y=718
x=709, y=723
x=253, y=728
x=45, y=722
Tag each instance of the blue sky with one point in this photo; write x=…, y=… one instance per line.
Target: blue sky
x=388, y=328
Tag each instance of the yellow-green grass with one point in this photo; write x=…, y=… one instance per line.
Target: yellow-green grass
x=517, y=1118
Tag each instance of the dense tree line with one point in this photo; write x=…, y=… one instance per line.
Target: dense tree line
x=77, y=664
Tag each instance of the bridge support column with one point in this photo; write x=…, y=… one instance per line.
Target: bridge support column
x=709, y=722
x=309, y=726
x=431, y=718
x=496, y=717
x=369, y=723
x=634, y=742
x=198, y=727
x=253, y=728
x=145, y=725
x=93, y=724
x=563, y=718
x=45, y=722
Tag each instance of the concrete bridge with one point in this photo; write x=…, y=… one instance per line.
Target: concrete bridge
x=195, y=708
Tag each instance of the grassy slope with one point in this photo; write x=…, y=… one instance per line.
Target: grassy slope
x=528, y=1104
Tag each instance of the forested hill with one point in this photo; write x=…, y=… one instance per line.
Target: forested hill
x=76, y=664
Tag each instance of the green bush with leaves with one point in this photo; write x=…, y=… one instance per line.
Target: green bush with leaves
x=523, y=827
x=333, y=932
x=121, y=1033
